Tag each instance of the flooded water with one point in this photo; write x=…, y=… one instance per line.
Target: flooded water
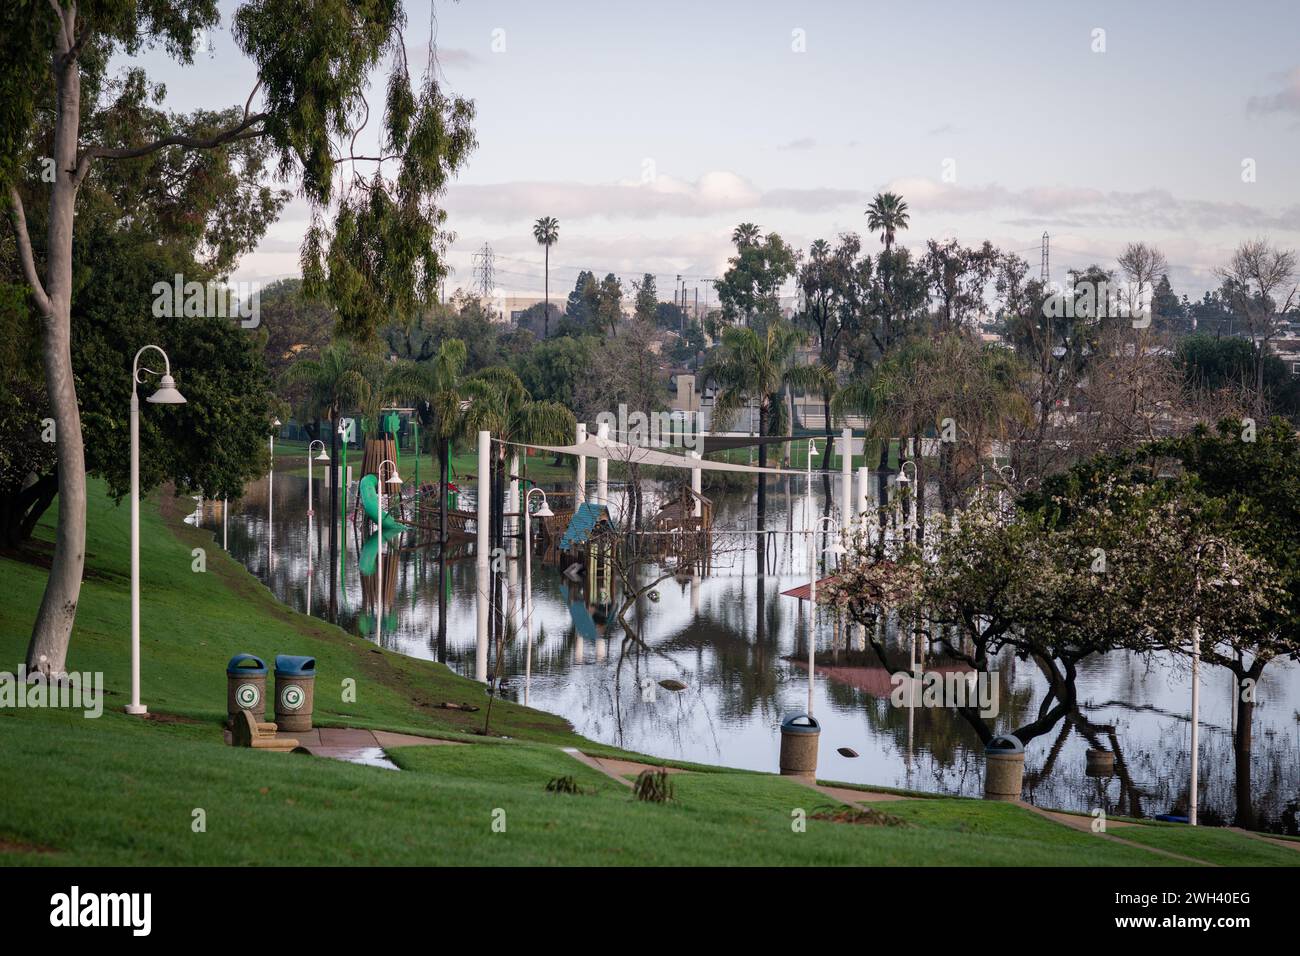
x=729, y=637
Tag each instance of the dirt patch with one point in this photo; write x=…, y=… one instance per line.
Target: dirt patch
x=866, y=817
x=18, y=846
x=172, y=719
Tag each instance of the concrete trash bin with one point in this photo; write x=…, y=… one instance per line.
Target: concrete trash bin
x=800, y=734
x=1004, y=768
x=246, y=686
x=295, y=682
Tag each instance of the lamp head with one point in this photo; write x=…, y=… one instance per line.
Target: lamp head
x=396, y=479
x=544, y=511
x=838, y=549
x=902, y=477
x=168, y=393
x=323, y=456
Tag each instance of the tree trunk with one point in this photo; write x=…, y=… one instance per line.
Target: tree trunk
x=48, y=650
x=762, y=490
x=444, y=463
x=334, y=518
x=20, y=511
x=1241, y=747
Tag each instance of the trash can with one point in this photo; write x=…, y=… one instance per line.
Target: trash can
x=800, y=734
x=295, y=681
x=246, y=686
x=1004, y=768
x=1101, y=763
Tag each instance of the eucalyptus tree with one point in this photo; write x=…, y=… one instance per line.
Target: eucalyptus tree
x=749, y=290
x=752, y=367
x=835, y=286
x=546, y=231
x=382, y=253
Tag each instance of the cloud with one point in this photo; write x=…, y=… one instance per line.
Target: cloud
x=805, y=142
x=1085, y=208
x=1285, y=100
x=656, y=196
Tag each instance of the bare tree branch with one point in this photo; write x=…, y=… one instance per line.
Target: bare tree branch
x=18, y=217
x=240, y=131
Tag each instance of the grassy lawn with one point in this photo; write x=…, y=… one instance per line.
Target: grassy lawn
x=120, y=790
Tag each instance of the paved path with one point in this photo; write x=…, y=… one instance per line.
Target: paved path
x=355, y=745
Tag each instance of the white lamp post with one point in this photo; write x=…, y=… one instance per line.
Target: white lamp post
x=323, y=456
x=167, y=394
x=543, y=512
x=394, y=479
x=835, y=548
x=905, y=482
x=270, y=501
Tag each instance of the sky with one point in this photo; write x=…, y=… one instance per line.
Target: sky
x=651, y=129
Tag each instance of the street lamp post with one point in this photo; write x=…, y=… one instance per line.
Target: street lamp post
x=543, y=512
x=270, y=502
x=906, y=482
x=834, y=548
x=167, y=394
x=323, y=456
x=394, y=479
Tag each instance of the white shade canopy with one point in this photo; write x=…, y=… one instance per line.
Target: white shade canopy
x=595, y=447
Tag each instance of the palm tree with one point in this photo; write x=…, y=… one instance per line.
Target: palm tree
x=886, y=215
x=753, y=368
x=498, y=402
x=336, y=381
x=547, y=233
x=437, y=388
x=746, y=234
x=927, y=381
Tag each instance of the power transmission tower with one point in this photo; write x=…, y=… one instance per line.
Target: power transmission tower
x=485, y=271
x=1044, y=272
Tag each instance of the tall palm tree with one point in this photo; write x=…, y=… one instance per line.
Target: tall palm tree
x=336, y=381
x=746, y=234
x=547, y=233
x=886, y=215
x=752, y=368
x=437, y=388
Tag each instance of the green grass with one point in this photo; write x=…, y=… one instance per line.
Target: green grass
x=1223, y=847
x=123, y=791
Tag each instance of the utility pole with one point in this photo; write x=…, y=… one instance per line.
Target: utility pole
x=1044, y=273
x=681, y=309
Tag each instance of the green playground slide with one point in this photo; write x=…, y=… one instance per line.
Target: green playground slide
x=370, y=503
x=369, y=560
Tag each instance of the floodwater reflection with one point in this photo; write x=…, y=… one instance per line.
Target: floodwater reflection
x=737, y=645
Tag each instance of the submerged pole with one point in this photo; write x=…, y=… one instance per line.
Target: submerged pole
x=580, y=479
x=482, y=552
x=602, y=468
x=846, y=481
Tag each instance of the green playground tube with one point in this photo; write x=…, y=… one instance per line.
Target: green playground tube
x=368, y=490
x=369, y=559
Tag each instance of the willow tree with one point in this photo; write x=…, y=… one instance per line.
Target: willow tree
x=376, y=242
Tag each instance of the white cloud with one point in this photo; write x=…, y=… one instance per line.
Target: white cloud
x=1285, y=100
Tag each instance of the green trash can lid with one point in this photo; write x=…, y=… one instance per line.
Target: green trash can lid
x=1005, y=744
x=248, y=665
x=800, y=724
x=287, y=665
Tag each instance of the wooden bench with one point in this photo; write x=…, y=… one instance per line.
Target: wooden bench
x=250, y=732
